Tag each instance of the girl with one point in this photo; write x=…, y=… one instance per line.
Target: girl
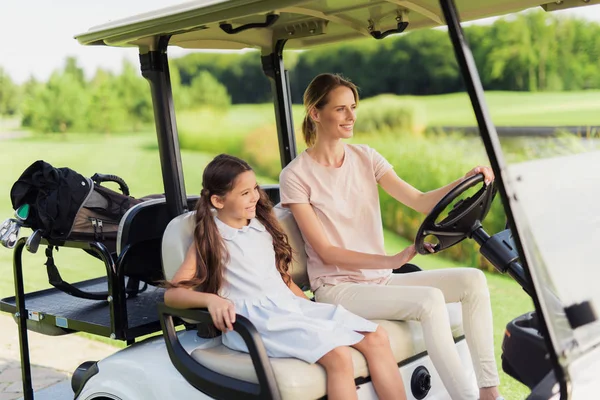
x=238, y=263
x=332, y=191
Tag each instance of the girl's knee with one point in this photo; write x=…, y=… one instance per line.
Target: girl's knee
x=377, y=339
x=339, y=358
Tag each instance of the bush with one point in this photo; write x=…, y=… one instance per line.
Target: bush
x=209, y=131
x=261, y=151
x=388, y=113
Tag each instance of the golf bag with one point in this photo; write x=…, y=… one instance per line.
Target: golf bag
x=61, y=205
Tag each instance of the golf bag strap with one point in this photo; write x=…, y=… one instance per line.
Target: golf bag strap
x=132, y=288
x=56, y=280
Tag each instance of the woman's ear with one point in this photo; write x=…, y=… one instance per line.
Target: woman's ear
x=216, y=201
x=314, y=114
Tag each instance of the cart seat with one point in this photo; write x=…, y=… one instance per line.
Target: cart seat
x=296, y=379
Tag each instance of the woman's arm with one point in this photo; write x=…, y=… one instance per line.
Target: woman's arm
x=221, y=310
x=424, y=202
x=313, y=232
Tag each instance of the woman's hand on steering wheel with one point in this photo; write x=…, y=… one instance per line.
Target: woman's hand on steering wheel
x=408, y=254
x=487, y=172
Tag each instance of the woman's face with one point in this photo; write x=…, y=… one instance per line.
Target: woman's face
x=335, y=120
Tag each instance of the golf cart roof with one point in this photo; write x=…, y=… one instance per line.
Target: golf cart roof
x=212, y=24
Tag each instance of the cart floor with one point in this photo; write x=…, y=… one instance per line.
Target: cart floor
x=58, y=309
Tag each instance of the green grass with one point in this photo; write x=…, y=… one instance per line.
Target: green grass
x=516, y=109
x=135, y=158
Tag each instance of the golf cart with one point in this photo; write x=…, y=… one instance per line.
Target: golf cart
x=553, y=350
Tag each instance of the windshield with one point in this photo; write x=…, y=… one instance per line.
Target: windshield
x=554, y=193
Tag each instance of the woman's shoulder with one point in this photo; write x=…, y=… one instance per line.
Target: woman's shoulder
x=364, y=152
x=294, y=167
x=359, y=148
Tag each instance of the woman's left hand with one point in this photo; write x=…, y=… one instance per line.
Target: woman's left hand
x=487, y=172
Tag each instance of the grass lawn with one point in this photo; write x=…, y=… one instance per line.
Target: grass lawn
x=135, y=158
x=516, y=109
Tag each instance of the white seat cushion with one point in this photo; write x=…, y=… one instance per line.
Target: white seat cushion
x=297, y=379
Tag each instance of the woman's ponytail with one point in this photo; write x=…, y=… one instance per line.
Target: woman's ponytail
x=309, y=130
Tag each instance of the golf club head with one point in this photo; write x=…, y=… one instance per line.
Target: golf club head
x=33, y=241
x=22, y=213
x=9, y=233
x=5, y=227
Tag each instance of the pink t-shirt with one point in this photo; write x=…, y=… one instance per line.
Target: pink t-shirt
x=346, y=201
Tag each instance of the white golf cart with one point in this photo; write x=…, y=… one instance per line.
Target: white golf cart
x=548, y=249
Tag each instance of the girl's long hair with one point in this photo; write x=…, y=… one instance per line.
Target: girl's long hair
x=211, y=254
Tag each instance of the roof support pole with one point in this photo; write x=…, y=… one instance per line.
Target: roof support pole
x=488, y=133
x=155, y=68
x=274, y=69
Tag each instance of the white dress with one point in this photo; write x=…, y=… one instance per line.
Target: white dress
x=288, y=325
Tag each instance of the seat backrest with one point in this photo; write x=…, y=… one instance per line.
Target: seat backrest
x=179, y=234
x=298, y=267
x=139, y=239
x=177, y=238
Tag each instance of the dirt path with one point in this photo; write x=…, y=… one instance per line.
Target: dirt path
x=53, y=358
x=7, y=135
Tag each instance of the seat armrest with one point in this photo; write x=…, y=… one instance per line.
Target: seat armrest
x=212, y=383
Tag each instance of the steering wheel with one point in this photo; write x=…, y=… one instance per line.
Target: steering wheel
x=464, y=218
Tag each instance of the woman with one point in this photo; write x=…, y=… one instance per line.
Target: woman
x=332, y=191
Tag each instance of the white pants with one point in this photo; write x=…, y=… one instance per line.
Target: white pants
x=422, y=296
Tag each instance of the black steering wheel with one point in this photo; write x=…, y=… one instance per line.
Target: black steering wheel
x=464, y=218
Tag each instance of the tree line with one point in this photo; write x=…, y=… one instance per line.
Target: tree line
x=534, y=51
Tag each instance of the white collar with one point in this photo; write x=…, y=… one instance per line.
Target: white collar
x=229, y=232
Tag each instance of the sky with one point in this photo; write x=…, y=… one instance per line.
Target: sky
x=37, y=35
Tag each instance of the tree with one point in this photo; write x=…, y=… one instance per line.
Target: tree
x=9, y=94
x=207, y=91
x=73, y=69
x=59, y=106
x=134, y=94
x=107, y=112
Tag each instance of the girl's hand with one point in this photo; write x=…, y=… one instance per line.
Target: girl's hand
x=487, y=172
x=222, y=312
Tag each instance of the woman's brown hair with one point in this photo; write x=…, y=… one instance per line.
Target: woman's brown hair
x=211, y=254
x=315, y=96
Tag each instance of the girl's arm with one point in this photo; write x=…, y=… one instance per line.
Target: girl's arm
x=424, y=202
x=221, y=310
x=315, y=235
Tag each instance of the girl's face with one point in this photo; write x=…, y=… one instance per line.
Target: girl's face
x=336, y=119
x=239, y=205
